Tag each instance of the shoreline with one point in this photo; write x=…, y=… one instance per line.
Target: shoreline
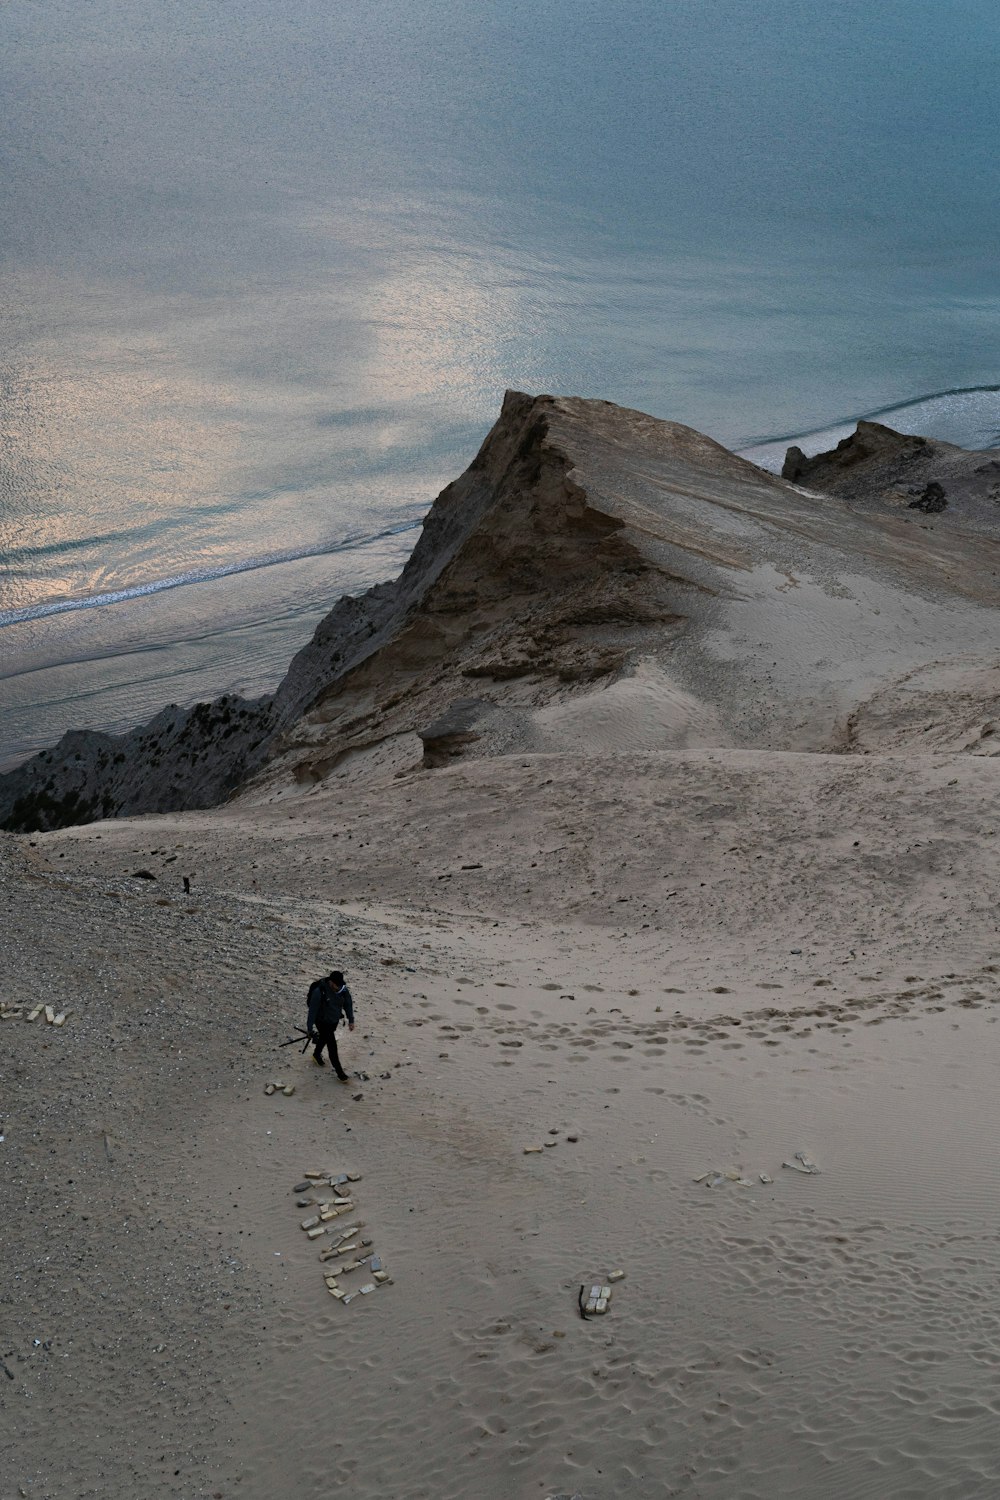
x=244, y=646
x=130, y=635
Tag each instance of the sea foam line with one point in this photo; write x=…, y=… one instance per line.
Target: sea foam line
x=867, y=416
x=205, y=575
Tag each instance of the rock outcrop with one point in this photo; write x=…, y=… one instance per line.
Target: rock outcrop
x=881, y=469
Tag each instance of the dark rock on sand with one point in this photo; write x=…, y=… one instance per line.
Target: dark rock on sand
x=932, y=500
x=879, y=469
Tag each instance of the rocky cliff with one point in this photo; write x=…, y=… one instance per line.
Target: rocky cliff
x=596, y=579
x=514, y=574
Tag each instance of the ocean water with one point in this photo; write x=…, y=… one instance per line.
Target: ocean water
x=269, y=267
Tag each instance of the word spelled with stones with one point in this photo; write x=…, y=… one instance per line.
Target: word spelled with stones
x=346, y=1248
x=32, y=1012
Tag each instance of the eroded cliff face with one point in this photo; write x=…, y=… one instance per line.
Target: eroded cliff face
x=515, y=575
x=597, y=581
x=525, y=588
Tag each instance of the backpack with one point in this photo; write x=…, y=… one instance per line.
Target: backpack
x=329, y=1009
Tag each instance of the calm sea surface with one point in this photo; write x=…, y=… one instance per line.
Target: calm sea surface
x=269, y=266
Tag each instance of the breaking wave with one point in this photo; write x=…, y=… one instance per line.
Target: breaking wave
x=199, y=575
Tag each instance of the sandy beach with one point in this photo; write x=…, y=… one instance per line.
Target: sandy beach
x=689, y=974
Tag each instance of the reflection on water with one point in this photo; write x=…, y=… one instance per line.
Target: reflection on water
x=271, y=268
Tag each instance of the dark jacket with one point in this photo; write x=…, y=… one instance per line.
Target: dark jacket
x=327, y=1006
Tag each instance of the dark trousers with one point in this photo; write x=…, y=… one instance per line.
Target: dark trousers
x=328, y=1039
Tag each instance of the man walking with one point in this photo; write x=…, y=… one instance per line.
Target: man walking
x=329, y=1001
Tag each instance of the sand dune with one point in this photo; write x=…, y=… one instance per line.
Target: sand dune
x=827, y=1334
x=673, y=860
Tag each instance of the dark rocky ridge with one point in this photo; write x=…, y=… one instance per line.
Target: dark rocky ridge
x=881, y=469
